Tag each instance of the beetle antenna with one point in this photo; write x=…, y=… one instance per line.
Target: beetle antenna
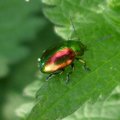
x=76, y=33
x=74, y=27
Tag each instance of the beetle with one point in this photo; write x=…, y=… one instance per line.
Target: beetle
x=56, y=58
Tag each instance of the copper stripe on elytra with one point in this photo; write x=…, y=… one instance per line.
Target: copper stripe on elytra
x=61, y=55
x=60, y=59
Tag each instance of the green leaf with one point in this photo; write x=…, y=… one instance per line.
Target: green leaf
x=97, y=24
x=108, y=109
x=18, y=25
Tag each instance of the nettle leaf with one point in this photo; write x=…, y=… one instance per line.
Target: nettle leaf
x=97, y=25
x=18, y=25
x=108, y=109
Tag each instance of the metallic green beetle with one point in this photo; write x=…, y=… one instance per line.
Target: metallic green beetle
x=56, y=58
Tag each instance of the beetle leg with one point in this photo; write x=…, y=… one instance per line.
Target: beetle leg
x=49, y=76
x=55, y=73
x=73, y=67
x=84, y=65
x=62, y=70
x=68, y=74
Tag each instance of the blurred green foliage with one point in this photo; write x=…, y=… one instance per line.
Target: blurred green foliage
x=18, y=25
x=25, y=33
